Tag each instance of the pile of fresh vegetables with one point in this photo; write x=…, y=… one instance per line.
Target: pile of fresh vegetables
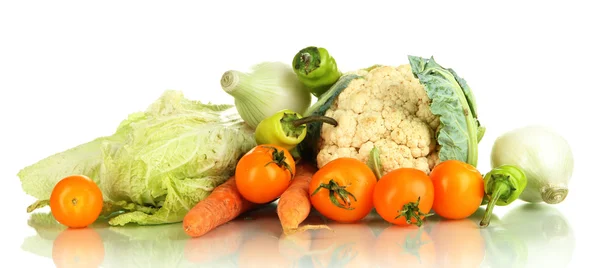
x=402, y=141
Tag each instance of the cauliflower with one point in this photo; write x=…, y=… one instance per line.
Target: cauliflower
x=417, y=115
x=388, y=109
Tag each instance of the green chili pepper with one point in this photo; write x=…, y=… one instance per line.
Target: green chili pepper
x=286, y=128
x=316, y=69
x=502, y=186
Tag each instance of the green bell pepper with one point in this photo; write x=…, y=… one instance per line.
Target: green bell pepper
x=316, y=69
x=286, y=128
x=502, y=186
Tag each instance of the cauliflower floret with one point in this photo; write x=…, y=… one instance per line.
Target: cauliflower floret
x=388, y=109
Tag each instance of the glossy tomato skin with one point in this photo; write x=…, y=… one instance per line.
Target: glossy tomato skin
x=76, y=201
x=400, y=187
x=458, y=189
x=356, y=177
x=258, y=179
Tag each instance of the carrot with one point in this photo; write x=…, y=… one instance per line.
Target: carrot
x=294, y=204
x=224, y=204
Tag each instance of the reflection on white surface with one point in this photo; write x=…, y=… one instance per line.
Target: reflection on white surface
x=526, y=236
x=531, y=235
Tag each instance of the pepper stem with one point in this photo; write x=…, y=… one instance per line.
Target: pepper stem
x=279, y=159
x=314, y=118
x=500, y=188
x=293, y=125
x=307, y=60
x=340, y=191
x=411, y=210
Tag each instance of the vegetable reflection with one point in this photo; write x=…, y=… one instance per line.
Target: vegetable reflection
x=222, y=242
x=458, y=243
x=542, y=229
x=266, y=246
x=409, y=246
x=78, y=248
x=523, y=237
x=349, y=245
x=504, y=249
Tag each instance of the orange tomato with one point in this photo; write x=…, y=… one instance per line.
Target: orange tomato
x=404, y=246
x=264, y=173
x=81, y=247
x=458, y=243
x=342, y=190
x=458, y=189
x=403, y=188
x=76, y=201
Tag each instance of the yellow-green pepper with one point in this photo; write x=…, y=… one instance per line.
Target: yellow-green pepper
x=286, y=128
x=502, y=186
x=316, y=69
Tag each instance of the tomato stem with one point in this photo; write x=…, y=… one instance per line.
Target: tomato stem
x=279, y=159
x=341, y=191
x=411, y=210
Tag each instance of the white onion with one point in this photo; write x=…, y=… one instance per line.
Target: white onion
x=544, y=156
x=267, y=89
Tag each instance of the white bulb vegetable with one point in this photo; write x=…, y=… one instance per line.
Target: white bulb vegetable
x=545, y=157
x=267, y=89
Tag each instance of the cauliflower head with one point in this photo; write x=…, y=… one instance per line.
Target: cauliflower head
x=387, y=108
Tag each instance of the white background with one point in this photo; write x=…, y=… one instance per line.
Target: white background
x=71, y=71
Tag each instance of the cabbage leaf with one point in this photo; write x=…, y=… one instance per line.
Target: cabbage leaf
x=157, y=165
x=453, y=101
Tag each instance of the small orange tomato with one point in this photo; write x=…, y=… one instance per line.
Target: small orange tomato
x=76, y=201
x=404, y=196
x=342, y=190
x=264, y=173
x=458, y=189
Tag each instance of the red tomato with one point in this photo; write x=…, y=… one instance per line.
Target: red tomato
x=458, y=189
x=403, y=188
x=264, y=173
x=342, y=190
x=76, y=201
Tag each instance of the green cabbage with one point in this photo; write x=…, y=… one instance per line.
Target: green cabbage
x=157, y=165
